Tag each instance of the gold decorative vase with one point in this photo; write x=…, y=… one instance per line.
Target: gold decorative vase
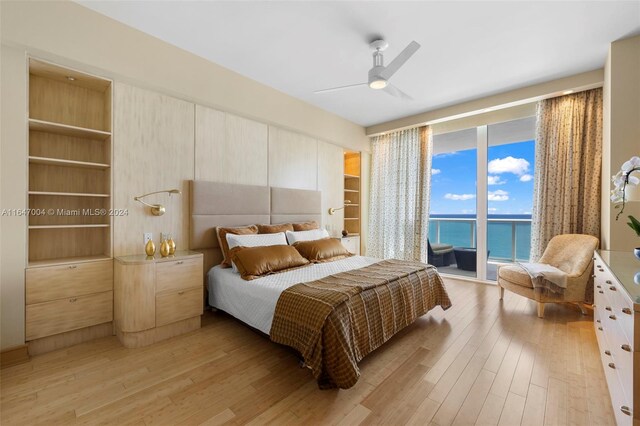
x=150, y=248
x=172, y=246
x=164, y=248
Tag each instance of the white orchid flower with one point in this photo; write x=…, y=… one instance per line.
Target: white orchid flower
x=633, y=162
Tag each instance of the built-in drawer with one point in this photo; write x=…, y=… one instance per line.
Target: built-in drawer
x=63, y=281
x=352, y=244
x=178, y=305
x=48, y=318
x=179, y=274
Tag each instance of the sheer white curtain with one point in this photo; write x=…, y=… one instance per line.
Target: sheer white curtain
x=400, y=191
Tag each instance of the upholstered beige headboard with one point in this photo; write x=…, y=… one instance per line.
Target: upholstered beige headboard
x=224, y=204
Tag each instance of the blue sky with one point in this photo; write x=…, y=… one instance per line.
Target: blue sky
x=453, y=180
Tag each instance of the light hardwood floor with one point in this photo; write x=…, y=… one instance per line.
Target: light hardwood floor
x=481, y=362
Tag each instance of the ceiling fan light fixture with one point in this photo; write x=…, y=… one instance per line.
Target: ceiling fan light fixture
x=378, y=83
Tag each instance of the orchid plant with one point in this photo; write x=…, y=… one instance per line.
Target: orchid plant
x=620, y=181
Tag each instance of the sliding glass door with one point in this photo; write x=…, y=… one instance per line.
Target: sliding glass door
x=481, y=198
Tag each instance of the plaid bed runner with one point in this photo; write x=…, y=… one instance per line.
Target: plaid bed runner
x=335, y=321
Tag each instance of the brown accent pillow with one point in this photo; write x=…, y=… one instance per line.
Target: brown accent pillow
x=306, y=226
x=274, y=229
x=324, y=250
x=224, y=245
x=255, y=262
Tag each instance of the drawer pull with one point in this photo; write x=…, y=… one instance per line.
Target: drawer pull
x=626, y=311
x=598, y=321
x=625, y=410
x=613, y=317
x=612, y=288
x=73, y=266
x=626, y=347
x=179, y=262
x=612, y=365
x=181, y=293
x=600, y=291
x=607, y=352
x=607, y=308
x=608, y=281
x=599, y=286
x=73, y=299
x=600, y=328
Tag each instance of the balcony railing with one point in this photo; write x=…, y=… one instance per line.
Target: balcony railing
x=509, y=240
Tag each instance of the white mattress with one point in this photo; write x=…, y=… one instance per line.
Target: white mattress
x=254, y=302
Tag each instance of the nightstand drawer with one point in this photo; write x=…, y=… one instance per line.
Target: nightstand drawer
x=63, y=281
x=48, y=318
x=352, y=244
x=179, y=274
x=178, y=305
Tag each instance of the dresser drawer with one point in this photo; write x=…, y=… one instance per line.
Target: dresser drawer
x=179, y=274
x=48, y=318
x=64, y=281
x=178, y=305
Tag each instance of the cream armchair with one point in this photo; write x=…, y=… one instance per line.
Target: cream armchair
x=571, y=253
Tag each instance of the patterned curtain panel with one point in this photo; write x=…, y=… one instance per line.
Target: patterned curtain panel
x=400, y=192
x=566, y=192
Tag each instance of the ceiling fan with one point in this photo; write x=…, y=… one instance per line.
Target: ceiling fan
x=379, y=75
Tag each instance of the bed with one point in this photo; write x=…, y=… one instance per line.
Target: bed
x=334, y=313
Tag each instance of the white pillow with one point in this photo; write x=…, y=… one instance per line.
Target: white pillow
x=314, y=234
x=255, y=240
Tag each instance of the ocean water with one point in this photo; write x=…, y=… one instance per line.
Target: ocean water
x=499, y=234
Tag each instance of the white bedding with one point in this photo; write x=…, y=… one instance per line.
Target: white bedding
x=254, y=302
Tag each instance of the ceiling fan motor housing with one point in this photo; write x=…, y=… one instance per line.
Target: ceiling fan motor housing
x=375, y=80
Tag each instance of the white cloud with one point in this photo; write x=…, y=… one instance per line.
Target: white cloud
x=459, y=197
x=495, y=180
x=498, y=195
x=525, y=178
x=435, y=171
x=517, y=166
x=492, y=209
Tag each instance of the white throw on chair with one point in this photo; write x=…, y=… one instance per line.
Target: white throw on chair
x=570, y=253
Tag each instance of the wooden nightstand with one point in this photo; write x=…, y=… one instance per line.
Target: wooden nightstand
x=157, y=297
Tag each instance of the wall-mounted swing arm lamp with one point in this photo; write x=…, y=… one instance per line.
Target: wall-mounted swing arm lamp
x=334, y=210
x=157, y=209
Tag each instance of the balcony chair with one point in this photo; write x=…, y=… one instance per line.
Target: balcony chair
x=440, y=254
x=572, y=254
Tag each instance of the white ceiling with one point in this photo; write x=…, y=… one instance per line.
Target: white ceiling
x=469, y=49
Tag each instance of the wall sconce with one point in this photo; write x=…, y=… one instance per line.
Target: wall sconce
x=333, y=211
x=157, y=209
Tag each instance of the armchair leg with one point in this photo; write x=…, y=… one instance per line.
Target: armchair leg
x=582, y=309
x=540, y=310
x=501, y=290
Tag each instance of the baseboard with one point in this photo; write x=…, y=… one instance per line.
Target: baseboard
x=70, y=338
x=14, y=355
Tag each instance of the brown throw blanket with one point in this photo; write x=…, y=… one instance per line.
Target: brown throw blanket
x=335, y=321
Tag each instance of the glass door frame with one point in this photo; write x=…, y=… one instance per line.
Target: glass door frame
x=482, y=146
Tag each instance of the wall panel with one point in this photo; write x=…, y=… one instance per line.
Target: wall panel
x=229, y=148
x=153, y=150
x=293, y=160
x=331, y=183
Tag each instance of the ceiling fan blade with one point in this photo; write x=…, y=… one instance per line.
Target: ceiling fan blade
x=394, y=91
x=333, y=89
x=400, y=60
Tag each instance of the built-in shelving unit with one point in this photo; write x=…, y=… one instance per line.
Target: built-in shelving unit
x=69, y=165
x=352, y=192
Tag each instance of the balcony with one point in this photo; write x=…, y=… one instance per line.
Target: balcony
x=508, y=239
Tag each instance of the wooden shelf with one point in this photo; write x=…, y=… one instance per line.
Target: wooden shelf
x=352, y=205
x=67, y=130
x=67, y=163
x=351, y=218
x=67, y=260
x=92, y=225
x=68, y=194
x=351, y=176
x=351, y=190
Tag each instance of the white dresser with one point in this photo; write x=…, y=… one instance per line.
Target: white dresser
x=352, y=243
x=617, y=322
